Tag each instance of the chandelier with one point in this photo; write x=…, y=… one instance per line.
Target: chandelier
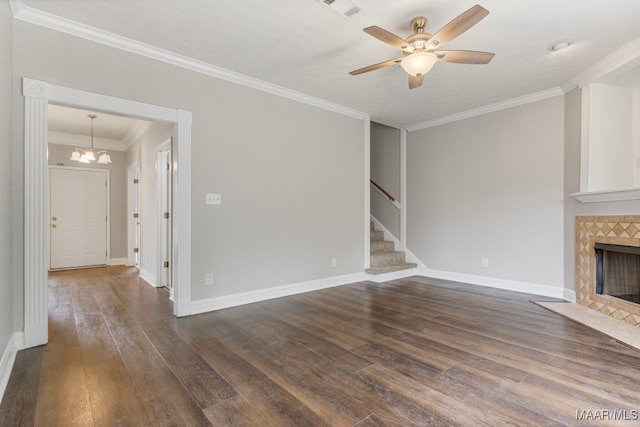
x=88, y=156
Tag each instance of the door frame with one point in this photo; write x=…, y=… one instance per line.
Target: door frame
x=37, y=95
x=161, y=188
x=107, y=177
x=133, y=206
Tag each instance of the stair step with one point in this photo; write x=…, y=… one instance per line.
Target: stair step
x=391, y=268
x=384, y=259
x=378, y=246
x=377, y=235
x=372, y=225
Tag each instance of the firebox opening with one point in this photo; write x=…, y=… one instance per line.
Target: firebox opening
x=618, y=271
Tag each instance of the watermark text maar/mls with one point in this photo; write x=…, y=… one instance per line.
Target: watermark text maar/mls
x=607, y=415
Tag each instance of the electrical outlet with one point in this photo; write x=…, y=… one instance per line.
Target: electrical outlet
x=333, y=262
x=485, y=262
x=208, y=279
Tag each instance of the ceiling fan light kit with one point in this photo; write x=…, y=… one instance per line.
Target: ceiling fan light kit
x=419, y=63
x=419, y=49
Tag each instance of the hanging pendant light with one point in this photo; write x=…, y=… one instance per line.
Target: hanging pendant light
x=87, y=156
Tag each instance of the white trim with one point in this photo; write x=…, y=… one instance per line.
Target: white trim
x=160, y=204
x=37, y=95
x=118, y=261
x=150, y=278
x=502, y=105
x=492, y=282
x=366, y=191
x=569, y=295
x=15, y=343
x=608, y=196
x=403, y=187
x=217, y=303
x=47, y=20
x=62, y=138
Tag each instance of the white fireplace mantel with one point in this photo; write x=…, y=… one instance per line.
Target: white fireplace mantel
x=608, y=196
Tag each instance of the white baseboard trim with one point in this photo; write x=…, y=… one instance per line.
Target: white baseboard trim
x=217, y=303
x=148, y=277
x=492, y=282
x=569, y=295
x=16, y=342
x=118, y=261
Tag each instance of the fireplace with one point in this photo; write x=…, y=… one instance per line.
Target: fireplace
x=606, y=294
x=618, y=271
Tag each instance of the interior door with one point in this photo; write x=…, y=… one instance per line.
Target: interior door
x=78, y=208
x=164, y=208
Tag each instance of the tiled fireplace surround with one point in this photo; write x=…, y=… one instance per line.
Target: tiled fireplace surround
x=612, y=229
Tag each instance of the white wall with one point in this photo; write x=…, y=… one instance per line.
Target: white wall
x=385, y=171
x=7, y=260
x=610, y=138
x=58, y=154
x=490, y=187
x=635, y=135
x=290, y=174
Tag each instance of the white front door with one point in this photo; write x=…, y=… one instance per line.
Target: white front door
x=78, y=210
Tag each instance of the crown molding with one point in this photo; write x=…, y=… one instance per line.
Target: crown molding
x=502, y=105
x=82, y=141
x=47, y=20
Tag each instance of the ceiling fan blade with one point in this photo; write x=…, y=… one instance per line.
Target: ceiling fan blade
x=387, y=37
x=464, y=56
x=458, y=25
x=415, y=81
x=375, y=66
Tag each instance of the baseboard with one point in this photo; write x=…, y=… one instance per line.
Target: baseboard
x=211, y=304
x=118, y=261
x=148, y=277
x=569, y=295
x=16, y=342
x=492, y=282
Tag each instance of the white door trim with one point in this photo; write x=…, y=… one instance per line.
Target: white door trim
x=37, y=95
x=161, y=187
x=133, y=206
x=107, y=175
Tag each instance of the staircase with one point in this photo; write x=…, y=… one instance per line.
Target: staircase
x=384, y=257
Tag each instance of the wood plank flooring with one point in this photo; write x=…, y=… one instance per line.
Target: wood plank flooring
x=414, y=351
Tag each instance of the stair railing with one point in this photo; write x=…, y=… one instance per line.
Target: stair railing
x=382, y=190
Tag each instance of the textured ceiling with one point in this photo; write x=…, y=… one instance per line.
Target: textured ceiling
x=304, y=46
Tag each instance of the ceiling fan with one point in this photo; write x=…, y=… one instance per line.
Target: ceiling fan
x=419, y=49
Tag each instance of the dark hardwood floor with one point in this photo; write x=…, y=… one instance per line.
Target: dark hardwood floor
x=415, y=351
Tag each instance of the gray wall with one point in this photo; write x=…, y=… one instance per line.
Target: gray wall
x=386, y=171
x=59, y=155
x=490, y=187
x=290, y=174
x=6, y=235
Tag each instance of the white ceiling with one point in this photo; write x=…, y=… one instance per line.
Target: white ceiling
x=304, y=46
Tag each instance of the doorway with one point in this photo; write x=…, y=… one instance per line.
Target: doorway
x=78, y=207
x=37, y=94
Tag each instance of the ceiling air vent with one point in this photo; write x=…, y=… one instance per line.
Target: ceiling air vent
x=345, y=8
